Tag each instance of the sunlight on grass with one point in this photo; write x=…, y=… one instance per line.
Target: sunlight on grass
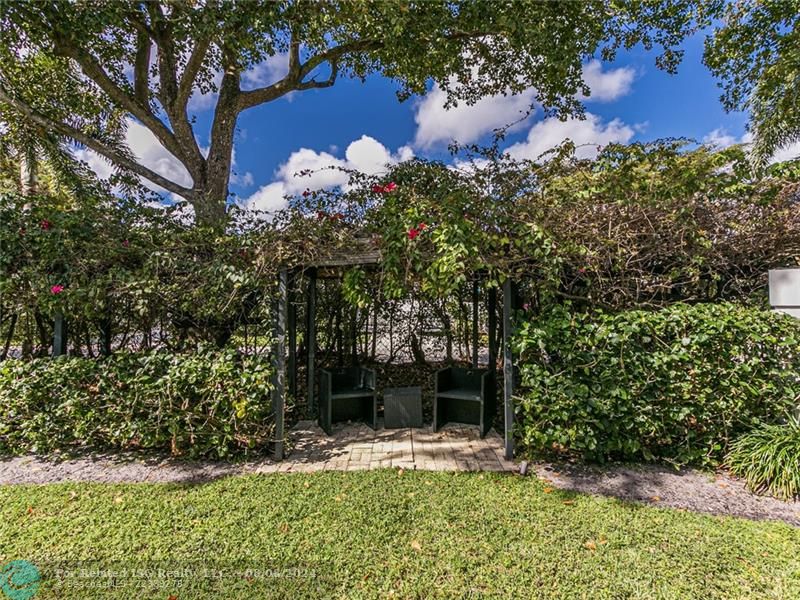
x=372, y=534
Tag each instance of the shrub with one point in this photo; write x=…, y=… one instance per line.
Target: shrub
x=676, y=384
x=768, y=458
x=207, y=404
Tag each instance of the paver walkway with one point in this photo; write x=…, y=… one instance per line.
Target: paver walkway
x=357, y=447
x=351, y=447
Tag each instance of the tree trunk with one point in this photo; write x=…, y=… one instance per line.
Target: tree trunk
x=211, y=193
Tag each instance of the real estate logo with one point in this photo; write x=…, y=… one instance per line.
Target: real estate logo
x=19, y=580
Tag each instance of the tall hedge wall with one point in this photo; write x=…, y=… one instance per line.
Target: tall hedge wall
x=676, y=384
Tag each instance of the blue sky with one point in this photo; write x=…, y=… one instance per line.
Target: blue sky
x=363, y=125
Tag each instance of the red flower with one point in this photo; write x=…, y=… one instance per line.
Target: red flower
x=321, y=214
x=384, y=189
x=56, y=289
x=126, y=243
x=306, y=193
x=337, y=217
x=422, y=226
x=413, y=233
x=45, y=224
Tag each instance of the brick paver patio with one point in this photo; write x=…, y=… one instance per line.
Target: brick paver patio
x=351, y=447
x=356, y=447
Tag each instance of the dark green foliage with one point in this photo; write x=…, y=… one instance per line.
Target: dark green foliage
x=769, y=459
x=207, y=404
x=677, y=384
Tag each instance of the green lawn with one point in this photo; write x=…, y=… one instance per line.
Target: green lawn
x=384, y=533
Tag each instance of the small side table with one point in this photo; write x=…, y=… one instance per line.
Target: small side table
x=402, y=407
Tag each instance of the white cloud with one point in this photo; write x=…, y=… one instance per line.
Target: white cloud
x=269, y=198
x=787, y=153
x=720, y=138
x=309, y=169
x=149, y=153
x=199, y=102
x=154, y=156
x=587, y=134
x=466, y=124
x=267, y=72
x=606, y=85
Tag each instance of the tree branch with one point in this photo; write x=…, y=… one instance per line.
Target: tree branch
x=297, y=72
x=141, y=71
x=314, y=84
x=193, y=65
x=90, y=142
x=96, y=73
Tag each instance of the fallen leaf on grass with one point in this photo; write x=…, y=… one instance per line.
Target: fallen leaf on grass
x=118, y=499
x=590, y=545
x=416, y=545
x=30, y=510
x=547, y=490
x=284, y=527
x=655, y=498
x=306, y=485
x=172, y=597
x=569, y=502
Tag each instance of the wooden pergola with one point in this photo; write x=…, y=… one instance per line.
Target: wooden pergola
x=364, y=252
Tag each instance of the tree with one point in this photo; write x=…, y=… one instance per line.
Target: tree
x=145, y=59
x=756, y=53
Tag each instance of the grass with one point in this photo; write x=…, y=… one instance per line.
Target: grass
x=383, y=534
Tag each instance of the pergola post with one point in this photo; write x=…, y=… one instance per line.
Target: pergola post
x=491, y=308
x=475, y=298
x=292, y=333
x=59, y=335
x=279, y=358
x=508, y=369
x=311, y=338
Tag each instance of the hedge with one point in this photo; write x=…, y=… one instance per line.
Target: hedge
x=209, y=404
x=677, y=384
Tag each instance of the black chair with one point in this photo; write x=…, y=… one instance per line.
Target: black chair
x=464, y=396
x=347, y=394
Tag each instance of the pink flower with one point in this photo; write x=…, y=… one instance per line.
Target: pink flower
x=126, y=243
x=56, y=289
x=582, y=270
x=413, y=233
x=45, y=224
x=526, y=306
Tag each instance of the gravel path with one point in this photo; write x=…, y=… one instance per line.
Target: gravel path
x=659, y=486
x=716, y=494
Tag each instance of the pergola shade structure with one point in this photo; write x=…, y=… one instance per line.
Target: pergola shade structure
x=365, y=253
